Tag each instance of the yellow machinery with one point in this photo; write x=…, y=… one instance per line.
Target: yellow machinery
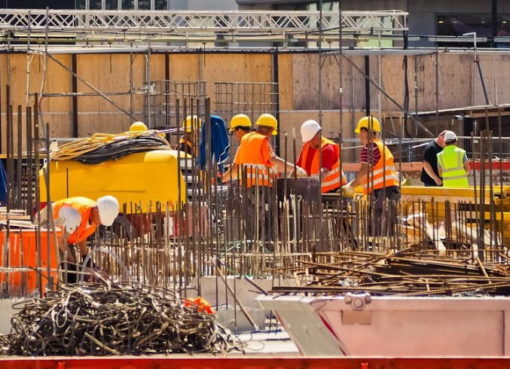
x=138, y=179
x=465, y=201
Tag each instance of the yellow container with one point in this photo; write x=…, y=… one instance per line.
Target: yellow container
x=140, y=178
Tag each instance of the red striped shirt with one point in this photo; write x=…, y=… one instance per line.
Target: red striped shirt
x=370, y=154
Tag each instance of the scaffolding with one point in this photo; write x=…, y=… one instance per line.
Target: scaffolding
x=191, y=26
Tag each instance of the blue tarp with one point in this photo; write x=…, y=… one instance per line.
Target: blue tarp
x=219, y=143
x=3, y=184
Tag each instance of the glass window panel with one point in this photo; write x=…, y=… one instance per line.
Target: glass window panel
x=95, y=4
x=144, y=4
x=128, y=4
x=111, y=4
x=161, y=5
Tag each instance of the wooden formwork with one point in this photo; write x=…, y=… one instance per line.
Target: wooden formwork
x=300, y=97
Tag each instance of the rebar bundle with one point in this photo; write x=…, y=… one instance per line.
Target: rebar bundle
x=405, y=273
x=113, y=319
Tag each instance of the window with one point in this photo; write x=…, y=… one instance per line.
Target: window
x=161, y=5
x=111, y=5
x=128, y=4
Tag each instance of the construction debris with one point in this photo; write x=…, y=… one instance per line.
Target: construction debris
x=405, y=273
x=113, y=319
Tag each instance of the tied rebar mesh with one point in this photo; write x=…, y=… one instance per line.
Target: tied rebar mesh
x=250, y=98
x=165, y=97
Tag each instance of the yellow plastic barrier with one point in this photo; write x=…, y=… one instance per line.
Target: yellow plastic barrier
x=139, y=178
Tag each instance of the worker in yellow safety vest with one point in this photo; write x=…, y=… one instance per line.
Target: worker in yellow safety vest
x=256, y=156
x=320, y=156
x=377, y=175
x=79, y=218
x=191, y=128
x=452, y=163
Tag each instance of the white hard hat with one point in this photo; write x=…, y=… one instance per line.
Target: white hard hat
x=450, y=136
x=309, y=129
x=108, y=208
x=70, y=218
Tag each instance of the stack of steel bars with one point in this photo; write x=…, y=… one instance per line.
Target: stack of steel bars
x=405, y=273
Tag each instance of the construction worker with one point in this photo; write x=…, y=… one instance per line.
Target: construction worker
x=257, y=157
x=240, y=125
x=325, y=161
x=187, y=143
x=260, y=165
x=80, y=217
x=377, y=175
x=452, y=163
x=430, y=173
x=138, y=127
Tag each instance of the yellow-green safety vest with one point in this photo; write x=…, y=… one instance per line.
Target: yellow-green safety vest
x=451, y=161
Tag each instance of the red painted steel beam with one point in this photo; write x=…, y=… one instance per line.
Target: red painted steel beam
x=253, y=363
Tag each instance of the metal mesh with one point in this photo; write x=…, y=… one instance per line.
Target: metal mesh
x=168, y=99
x=250, y=98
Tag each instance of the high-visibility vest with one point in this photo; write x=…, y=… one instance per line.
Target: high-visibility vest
x=383, y=172
x=335, y=178
x=84, y=206
x=258, y=171
x=451, y=162
x=191, y=148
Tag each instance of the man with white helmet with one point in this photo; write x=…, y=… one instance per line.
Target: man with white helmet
x=79, y=217
x=320, y=156
x=452, y=163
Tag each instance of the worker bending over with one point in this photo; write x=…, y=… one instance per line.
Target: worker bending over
x=377, y=175
x=187, y=143
x=320, y=157
x=452, y=163
x=80, y=217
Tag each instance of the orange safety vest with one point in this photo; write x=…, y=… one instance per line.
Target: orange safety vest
x=383, y=173
x=335, y=178
x=258, y=171
x=84, y=206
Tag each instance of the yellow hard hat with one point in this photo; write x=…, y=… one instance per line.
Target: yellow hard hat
x=239, y=120
x=267, y=120
x=192, y=123
x=138, y=127
x=370, y=123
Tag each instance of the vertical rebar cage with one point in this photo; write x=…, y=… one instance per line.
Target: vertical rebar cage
x=250, y=98
x=165, y=98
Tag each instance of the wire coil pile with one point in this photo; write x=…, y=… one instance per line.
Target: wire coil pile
x=103, y=319
x=102, y=147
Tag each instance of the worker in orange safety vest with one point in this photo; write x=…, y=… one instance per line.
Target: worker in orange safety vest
x=320, y=157
x=377, y=175
x=257, y=158
x=80, y=217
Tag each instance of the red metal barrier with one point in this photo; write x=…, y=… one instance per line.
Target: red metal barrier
x=253, y=363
